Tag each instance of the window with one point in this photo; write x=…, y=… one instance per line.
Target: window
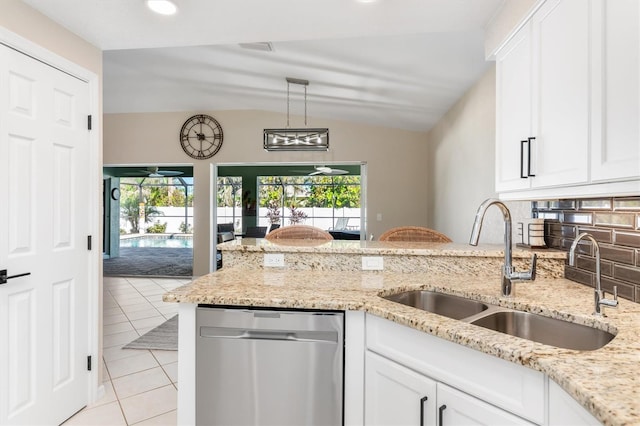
x=167, y=204
x=326, y=202
x=229, y=201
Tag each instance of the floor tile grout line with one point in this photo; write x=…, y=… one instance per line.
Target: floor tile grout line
x=113, y=388
x=130, y=321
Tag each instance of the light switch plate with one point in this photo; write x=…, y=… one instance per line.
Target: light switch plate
x=372, y=263
x=274, y=260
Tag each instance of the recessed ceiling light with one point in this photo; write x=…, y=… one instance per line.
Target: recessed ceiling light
x=163, y=7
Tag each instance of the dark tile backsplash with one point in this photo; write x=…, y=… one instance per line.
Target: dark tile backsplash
x=614, y=223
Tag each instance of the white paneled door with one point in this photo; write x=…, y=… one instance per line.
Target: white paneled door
x=44, y=224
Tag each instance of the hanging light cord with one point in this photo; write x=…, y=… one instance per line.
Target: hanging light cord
x=305, y=106
x=301, y=82
x=287, y=104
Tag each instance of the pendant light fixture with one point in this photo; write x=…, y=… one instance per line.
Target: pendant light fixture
x=300, y=139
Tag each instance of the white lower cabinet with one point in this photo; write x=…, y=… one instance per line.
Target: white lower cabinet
x=565, y=411
x=456, y=408
x=398, y=396
x=414, y=378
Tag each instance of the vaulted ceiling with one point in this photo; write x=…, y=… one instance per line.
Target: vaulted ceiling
x=394, y=63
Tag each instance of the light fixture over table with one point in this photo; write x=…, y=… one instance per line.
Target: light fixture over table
x=301, y=139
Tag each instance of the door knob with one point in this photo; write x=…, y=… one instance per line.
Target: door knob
x=4, y=277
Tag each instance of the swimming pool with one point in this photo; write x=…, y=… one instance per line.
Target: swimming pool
x=163, y=241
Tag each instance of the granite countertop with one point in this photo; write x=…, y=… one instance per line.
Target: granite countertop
x=605, y=381
x=380, y=248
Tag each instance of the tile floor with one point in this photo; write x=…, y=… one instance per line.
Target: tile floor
x=141, y=385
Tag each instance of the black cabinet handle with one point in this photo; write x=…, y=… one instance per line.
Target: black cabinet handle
x=440, y=412
x=529, y=140
x=422, y=401
x=4, y=277
x=522, y=175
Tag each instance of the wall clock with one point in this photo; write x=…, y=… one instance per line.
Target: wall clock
x=201, y=137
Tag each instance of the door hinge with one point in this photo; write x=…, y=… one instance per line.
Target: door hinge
x=88, y=122
x=88, y=242
x=89, y=363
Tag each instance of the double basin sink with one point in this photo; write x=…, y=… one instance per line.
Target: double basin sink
x=526, y=325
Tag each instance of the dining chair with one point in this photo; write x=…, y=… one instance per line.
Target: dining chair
x=414, y=233
x=255, y=232
x=299, y=232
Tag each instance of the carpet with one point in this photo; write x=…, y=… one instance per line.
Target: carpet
x=163, y=337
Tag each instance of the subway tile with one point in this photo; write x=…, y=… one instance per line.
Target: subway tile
x=567, y=242
x=568, y=231
x=579, y=218
x=562, y=204
x=617, y=220
x=637, y=257
x=637, y=299
x=601, y=235
x=629, y=274
x=618, y=254
x=596, y=204
x=539, y=205
x=625, y=290
x=638, y=221
x=632, y=203
x=549, y=215
x=584, y=247
x=589, y=264
x=629, y=239
x=577, y=275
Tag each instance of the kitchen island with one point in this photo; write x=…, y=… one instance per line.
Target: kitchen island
x=328, y=276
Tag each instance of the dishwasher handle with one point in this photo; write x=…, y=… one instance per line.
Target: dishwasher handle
x=278, y=335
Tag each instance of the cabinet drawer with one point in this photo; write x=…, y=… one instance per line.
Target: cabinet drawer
x=507, y=385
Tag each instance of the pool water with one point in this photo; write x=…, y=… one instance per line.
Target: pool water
x=158, y=241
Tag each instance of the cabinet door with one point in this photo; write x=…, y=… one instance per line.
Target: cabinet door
x=395, y=395
x=513, y=109
x=565, y=411
x=561, y=93
x=457, y=408
x=616, y=90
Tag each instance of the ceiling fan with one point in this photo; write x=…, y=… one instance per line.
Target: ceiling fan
x=324, y=170
x=155, y=172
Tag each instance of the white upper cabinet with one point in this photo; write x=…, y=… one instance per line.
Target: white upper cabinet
x=561, y=93
x=568, y=102
x=513, y=110
x=616, y=90
x=542, y=94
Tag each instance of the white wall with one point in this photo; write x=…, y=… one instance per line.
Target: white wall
x=462, y=167
x=21, y=19
x=396, y=161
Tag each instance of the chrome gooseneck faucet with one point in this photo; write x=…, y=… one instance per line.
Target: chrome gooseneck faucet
x=509, y=275
x=599, y=294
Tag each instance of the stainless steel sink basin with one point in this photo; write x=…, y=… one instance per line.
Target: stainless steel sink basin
x=545, y=330
x=439, y=303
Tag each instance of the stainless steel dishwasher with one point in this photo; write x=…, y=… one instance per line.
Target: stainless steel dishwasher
x=269, y=367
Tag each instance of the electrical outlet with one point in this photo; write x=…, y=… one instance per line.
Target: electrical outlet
x=372, y=263
x=379, y=217
x=274, y=260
